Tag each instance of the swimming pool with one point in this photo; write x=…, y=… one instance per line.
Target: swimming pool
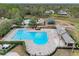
x=37, y=37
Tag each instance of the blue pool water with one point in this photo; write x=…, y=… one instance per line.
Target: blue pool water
x=37, y=37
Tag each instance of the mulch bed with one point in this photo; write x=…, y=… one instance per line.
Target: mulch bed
x=0, y=37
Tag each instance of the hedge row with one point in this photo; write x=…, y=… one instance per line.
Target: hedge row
x=13, y=44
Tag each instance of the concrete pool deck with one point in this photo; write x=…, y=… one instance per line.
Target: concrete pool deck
x=46, y=49
x=34, y=49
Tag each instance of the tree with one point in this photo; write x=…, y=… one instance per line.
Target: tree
x=74, y=12
x=5, y=26
x=33, y=22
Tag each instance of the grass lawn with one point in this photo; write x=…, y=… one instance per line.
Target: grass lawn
x=62, y=52
x=75, y=53
x=66, y=52
x=74, y=21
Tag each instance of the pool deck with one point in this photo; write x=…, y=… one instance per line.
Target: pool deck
x=47, y=49
x=9, y=35
x=34, y=49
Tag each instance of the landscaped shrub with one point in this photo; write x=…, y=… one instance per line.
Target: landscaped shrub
x=2, y=52
x=13, y=44
x=18, y=21
x=5, y=27
x=26, y=18
x=8, y=49
x=33, y=22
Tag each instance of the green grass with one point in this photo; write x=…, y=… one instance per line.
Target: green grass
x=75, y=21
x=76, y=26
x=13, y=44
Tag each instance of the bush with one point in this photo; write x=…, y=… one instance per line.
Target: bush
x=18, y=21
x=13, y=44
x=33, y=22
x=5, y=27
